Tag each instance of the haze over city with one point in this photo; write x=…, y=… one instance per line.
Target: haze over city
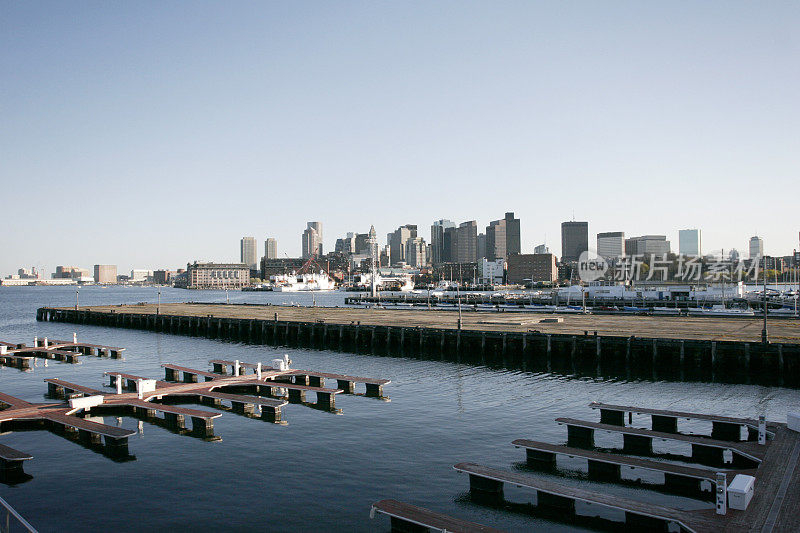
x=149, y=135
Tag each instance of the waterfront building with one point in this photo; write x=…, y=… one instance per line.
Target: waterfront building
x=437, y=240
x=756, y=247
x=140, y=275
x=647, y=245
x=271, y=248
x=467, y=242
x=105, y=273
x=611, y=245
x=574, y=240
x=217, y=275
x=73, y=273
x=525, y=268
x=248, y=252
x=491, y=272
x=689, y=242
x=163, y=277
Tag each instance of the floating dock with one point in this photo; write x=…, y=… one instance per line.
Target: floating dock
x=773, y=506
x=22, y=356
x=407, y=518
x=150, y=397
x=719, y=349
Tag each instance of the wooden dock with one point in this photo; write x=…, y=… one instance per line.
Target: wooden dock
x=715, y=349
x=22, y=356
x=148, y=397
x=638, y=441
x=409, y=518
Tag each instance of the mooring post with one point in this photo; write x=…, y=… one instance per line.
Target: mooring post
x=236, y=366
x=722, y=493
x=119, y=384
x=139, y=393
x=258, y=370
x=762, y=429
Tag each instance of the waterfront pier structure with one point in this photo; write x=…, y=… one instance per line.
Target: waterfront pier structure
x=711, y=349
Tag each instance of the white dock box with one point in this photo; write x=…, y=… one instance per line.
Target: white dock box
x=793, y=421
x=740, y=491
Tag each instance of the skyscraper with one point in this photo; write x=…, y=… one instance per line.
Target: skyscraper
x=397, y=242
x=689, y=242
x=574, y=240
x=467, y=239
x=312, y=240
x=248, y=252
x=271, y=248
x=496, y=240
x=450, y=245
x=611, y=245
x=513, y=241
x=437, y=240
x=317, y=226
x=756, y=247
x=416, y=252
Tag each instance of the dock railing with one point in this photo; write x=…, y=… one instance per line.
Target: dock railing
x=12, y=521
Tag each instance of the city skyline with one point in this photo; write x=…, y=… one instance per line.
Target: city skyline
x=605, y=111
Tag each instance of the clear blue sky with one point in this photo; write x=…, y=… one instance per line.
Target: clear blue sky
x=149, y=134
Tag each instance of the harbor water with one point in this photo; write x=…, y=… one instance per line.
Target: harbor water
x=320, y=471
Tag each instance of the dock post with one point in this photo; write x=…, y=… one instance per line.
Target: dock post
x=600, y=470
x=505, y=343
x=722, y=493
x=683, y=350
x=271, y=414
x=713, y=356
x=74, y=337
x=637, y=444
x=762, y=429
x=580, y=437
x=485, y=486
x=347, y=386
x=524, y=342
x=374, y=390
x=118, y=384
x=540, y=459
x=236, y=367
x=203, y=427
x=258, y=371
x=139, y=392
x=483, y=342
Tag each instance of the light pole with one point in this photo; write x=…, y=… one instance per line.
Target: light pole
x=158, y=305
x=764, y=336
x=76, y=298
x=227, y=301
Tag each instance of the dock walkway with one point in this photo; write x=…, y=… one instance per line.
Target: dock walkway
x=563, y=497
x=405, y=516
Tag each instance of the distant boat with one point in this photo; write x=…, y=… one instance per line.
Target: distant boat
x=721, y=310
x=302, y=282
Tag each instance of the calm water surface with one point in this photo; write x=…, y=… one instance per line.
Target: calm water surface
x=320, y=471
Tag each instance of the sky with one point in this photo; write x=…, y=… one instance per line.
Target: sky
x=151, y=134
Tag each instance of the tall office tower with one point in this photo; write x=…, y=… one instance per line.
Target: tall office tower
x=416, y=252
x=437, y=240
x=496, y=240
x=481, y=246
x=317, y=226
x=397, y=242
x=271, y=248
x=689, y=242
x=248, y=252
x=756, y=247
x=467, y=242
x=312, y=242
x=542, y=249
x=647, y=245
x=611, y=245
x=574, y=240
x=513, y=241
x=450, y=245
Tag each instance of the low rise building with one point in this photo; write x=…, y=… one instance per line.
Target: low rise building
x=531, y=268
x=217, y=275
x=105, y=273
x=492, y=272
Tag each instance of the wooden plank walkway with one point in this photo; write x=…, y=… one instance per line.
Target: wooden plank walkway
x=73, y=386
x=238, y=398
x=8, y=453
x=624, y=460
x=425, y=518
x=749, y=422
x=13, y=401
x=754, y=452
x=688, y=520
x=87, y=425
x=340, y=377
x=192, y=371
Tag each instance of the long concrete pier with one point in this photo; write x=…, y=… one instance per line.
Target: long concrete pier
x=716, y=349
